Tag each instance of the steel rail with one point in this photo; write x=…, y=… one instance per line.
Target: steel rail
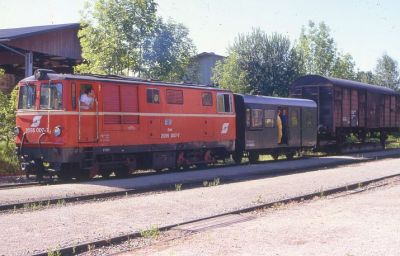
x=170, y=185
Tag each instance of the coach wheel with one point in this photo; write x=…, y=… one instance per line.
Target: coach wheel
x=237, y=157
x=275, y=156
x=289, y=155
x=382, y=138
x=253, y=157
x=122, y=172
x=105, y=173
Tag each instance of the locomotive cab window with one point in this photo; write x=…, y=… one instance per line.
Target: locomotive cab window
x=27, y=97
x=224, y=102
x=51, y=96
x=153, y=96
x=87, y=97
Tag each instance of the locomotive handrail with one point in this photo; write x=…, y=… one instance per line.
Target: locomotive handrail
x=40, y=143
x=79, y=120
x=21, y=146
x=97, y=119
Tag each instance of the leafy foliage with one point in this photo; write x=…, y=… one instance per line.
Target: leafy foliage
x=7, y=122
x=259, y=64
x=167, y=53
x=387, y=72
x=126, y=37
x=318, y=50
x=366, y=77
x=113, y=34
x=229, y=75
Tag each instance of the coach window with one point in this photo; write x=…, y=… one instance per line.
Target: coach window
x=256, y=118
x=206, y=98
x=224, y=102
x=294, y=119
x=269, y=115
x=248, y=117
x=51, y=96
x=153, y=96
x=27, y=97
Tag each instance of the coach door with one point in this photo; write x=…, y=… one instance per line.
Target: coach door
x=294, y=127
x=88, y=113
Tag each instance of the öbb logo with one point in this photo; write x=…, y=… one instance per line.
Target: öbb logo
x=36, y=121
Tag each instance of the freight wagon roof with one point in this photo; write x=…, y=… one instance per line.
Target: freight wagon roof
x=258, y=99
x=322, y=80
x=119, y=79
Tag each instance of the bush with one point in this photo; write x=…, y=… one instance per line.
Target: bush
x=8, y=159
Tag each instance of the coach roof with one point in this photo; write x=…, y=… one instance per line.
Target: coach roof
x=322, y=80
x=258, y=99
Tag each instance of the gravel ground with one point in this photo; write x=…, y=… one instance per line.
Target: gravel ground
x=359, y=224
x=23, y=195
x=23, y=233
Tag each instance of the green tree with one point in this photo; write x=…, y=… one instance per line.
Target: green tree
x=318, y=50
x=113, y=34
x=344, y=66
x=259, y=64
x=228, y=75
x=366, y=77
x=387, y=72
x=125, y=37
x=167, y=53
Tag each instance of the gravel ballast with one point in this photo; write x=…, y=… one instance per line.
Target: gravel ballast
x=49, y=229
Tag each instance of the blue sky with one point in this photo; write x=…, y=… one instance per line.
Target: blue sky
x=364, y=28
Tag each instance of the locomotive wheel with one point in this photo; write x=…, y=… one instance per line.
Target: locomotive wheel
x=83, y=175
x=237, y=157
x=105, y=173
x=121, y=172
x=253, y=157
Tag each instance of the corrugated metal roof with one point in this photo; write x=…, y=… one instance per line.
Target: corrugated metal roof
x=258, y=99
x=14, y=33
x=321, y=80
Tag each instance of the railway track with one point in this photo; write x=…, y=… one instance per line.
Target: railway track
x=19, y=185
x=170, y=185
x=351, y=188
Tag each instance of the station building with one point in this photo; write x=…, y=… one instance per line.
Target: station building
x=22, y=50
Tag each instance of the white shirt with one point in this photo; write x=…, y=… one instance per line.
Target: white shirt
x=86, y=100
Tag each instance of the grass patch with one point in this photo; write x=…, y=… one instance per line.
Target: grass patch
x=152, y=232
x=8, y=160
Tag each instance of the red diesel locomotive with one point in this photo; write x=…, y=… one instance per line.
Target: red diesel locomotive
x=80, y=126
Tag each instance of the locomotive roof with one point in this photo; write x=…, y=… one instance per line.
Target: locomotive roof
x=259, y=99
x=119, y=79
x=322, y=80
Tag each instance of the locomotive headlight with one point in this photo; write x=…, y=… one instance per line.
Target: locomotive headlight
x=17, y=130
x=57, y=131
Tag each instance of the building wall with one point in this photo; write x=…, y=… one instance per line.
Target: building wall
x=206, y=62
